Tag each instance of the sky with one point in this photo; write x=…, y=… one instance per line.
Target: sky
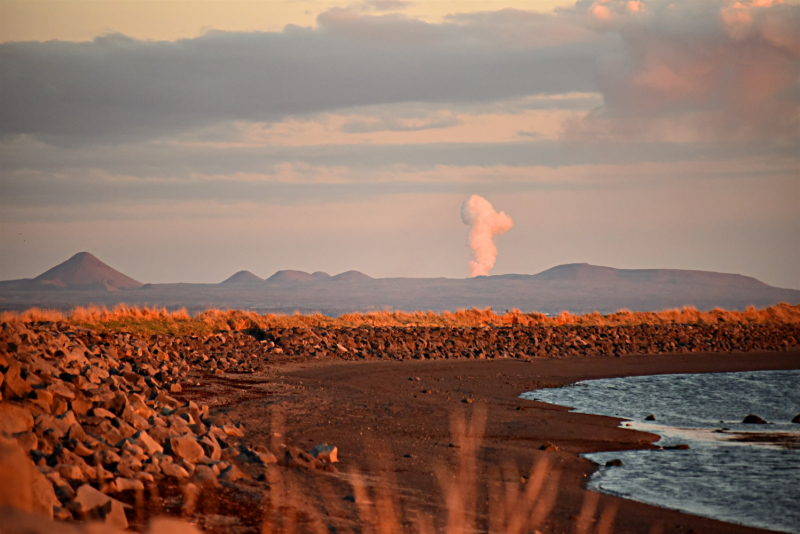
x=185, y=140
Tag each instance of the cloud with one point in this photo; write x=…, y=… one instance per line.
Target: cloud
x=698, y=70
x=117, y=89
x=394, y=124
x=384, y=5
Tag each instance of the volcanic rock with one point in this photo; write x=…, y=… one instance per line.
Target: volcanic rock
x=14, y=386
x=14, y=418
x=21, y=484
x=294, y=457
x=753, y=420
x=94, y=504
x=325, y=452
x=186, y=447
x=125, y=484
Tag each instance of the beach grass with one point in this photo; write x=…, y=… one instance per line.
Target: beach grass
x=150, y=321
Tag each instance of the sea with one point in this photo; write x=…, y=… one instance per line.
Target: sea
x=735, y=472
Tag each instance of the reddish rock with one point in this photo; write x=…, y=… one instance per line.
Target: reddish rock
x=91, y=503
x=325, y=452
x=14, y=386
x=14, y=418
x=21, y=484
x=171, y=469
x=185, y=447
x=294, y=457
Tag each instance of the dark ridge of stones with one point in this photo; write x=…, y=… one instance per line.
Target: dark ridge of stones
x=397, y=343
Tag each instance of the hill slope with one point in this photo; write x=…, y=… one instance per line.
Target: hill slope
x=83, y=271
x=242, y=277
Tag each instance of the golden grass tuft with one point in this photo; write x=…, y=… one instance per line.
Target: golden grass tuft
x=161, y=321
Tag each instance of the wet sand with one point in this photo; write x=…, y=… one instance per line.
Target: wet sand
x=380, y=416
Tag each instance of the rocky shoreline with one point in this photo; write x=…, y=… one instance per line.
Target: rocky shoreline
x=105, y=418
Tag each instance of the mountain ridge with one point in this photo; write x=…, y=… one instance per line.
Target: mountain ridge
x=577, y=288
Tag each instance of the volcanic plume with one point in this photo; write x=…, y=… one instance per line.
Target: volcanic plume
x=485, y=223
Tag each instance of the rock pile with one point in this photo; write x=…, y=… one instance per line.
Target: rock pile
x=95, y=414
x=524, y=342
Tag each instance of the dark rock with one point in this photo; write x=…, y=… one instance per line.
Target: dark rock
x=650, y=417
x=753, y=420
x=294, y=457
x=796, y=419
x=14, y=386
x=616, y=462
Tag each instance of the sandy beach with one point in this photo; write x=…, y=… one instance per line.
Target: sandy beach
x=381, y=417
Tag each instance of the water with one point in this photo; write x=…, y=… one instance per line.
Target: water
x=747, y=474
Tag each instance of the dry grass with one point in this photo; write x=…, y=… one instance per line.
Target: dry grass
x=515, y=506
x=160, y=321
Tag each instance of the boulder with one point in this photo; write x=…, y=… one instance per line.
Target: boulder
x=171, y=469
x=125, y=484
x=548, y=447
x=231, y=474
x=14, y=418
x=204, y=476
x=186, y=447
x=650, y=417
x=148, y=443
x=14, y=386
x=753, y=420
x=21, y=484
x=231, y=430
x=294, y=457
x=796, y=419
x=616, y=462
x=325, y=452
x=69, y=472
x=62, y=390
x=92, y=504
x=211, y=447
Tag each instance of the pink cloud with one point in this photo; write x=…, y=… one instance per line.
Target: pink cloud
x=727, y=70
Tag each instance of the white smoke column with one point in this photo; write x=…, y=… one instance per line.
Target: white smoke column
x=485, y=223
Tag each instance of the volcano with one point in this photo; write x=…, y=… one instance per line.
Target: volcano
x=243, y=277
x=83, y=271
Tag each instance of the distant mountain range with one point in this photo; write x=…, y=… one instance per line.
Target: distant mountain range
x=578, y=288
